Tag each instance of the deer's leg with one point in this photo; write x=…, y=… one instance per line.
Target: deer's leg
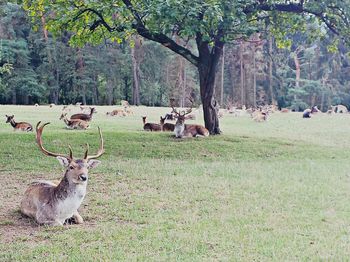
x=77, y=218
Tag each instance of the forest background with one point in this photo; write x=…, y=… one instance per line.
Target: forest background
x=36, y=67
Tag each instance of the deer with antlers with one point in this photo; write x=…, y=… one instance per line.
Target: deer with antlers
x=53, y=203
x=181, y=130
x=74, y=123
x=85, y=117
x=22, y=126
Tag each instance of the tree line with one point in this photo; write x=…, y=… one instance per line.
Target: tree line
x=39, y=67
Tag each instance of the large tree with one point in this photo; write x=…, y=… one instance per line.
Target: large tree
x=209, y=23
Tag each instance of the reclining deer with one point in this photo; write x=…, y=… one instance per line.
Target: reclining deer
x=53, y=203
x=74, y=123
x=23, y=126
x=181, y=130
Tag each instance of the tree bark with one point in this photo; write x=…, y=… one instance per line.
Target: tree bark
x=135, y=55
x=208, y=61
x=273, y=101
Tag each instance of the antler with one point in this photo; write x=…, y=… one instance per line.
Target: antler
x=190, y=109
x=100, y=151
x=172, y=101
x=39, y=131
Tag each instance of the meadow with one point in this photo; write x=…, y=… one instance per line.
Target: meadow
x=271, y=191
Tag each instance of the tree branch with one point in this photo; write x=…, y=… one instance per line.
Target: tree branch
x=159, y=37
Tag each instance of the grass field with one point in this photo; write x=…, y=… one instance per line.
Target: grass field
x=276, y=191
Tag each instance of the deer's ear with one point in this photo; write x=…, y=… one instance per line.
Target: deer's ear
x=93, y=163
x=63, y=161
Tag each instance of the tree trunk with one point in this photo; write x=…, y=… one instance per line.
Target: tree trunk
x=135, y=55
x=208, y=61
x=14, y=96
x=254, y=76
x=222, y=77
x=242, y=74
x=297, y=71
x=109, y=88
x=273, y=101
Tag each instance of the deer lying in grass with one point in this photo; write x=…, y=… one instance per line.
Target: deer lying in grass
x=74, y=123
x=166, y=127
x=22, y=126
x=116, y=112
x=181, y=130
x=85, y=117
x=52, y=203
x=339, y=109
x=150, y=126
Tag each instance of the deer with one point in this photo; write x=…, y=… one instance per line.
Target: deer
x=166, y=127
x=52, y=203
x=74, y=123
x=85, y=117
x=117, y=112
x=22, y=126
x=150, y=126
x=182, y=131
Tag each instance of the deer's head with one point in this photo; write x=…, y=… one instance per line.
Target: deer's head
x=76, y=169
x=180, y=115
x=9, y=118
x=63, y=115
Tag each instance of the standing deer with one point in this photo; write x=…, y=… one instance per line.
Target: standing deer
x=166, y=127
x=181, y=130
x=22, y=126
x=75, y=123
x=52, y=203
x=85, y=117
x=150, y=126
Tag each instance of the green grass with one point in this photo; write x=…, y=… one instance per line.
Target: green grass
x=277, y=190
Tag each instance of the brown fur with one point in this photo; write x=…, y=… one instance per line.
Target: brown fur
x=150, y=126
x=166, y=127
x=181, y=130
x=85, y=117
x=75, y=123
x=117, y=112
x=22, y=126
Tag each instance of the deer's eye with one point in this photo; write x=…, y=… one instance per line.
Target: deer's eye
x=71, y=167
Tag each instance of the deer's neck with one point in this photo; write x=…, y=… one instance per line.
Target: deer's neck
x=13, y=123
x=65, y=189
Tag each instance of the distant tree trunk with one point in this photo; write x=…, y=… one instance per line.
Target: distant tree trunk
x=109, y=90
x=272, y=97
x=14, y=96
x=297, y=71
x=242, y=73
x=254, y=76
x=126, y=87
x=222, y=76
x=79, y=68
x=135, y=55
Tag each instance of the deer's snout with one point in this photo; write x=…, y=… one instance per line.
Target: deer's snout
x=83, y=177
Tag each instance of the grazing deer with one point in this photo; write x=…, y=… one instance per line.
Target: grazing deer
x=181, y=130
x=150, y=126
x=52, y=203
x=75, y=123
x=285, y=110
x=307, y=113
x=22, y=126
x=166, y=127
x=85, y=117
